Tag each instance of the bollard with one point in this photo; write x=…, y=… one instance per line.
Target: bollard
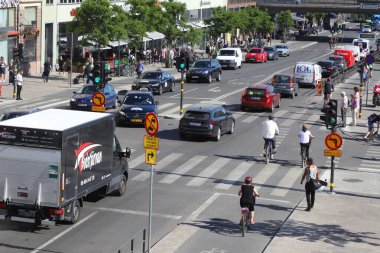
x=319, y=88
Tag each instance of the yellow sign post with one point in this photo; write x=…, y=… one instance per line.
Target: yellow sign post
x=150, y=156
x=328, y=152
x=151, y=142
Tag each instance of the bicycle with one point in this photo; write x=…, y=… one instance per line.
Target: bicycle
x=268, y=151
x=372, y=136
x=303, y=156
x=245, y=220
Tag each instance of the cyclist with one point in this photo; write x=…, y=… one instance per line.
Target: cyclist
x=372, y=119
x=248, y=195
x=305, y=137
x=327, y=91
x=270, y=130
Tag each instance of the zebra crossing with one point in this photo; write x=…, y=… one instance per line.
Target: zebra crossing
x=371, y=161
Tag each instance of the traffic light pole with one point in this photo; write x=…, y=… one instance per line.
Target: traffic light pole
x=332, y=167
x=182, y=83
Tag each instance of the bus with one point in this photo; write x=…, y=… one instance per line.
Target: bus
x=372, y=37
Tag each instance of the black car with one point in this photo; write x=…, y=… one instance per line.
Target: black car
x=18, y=113
x=207, y=121
x=156, y=81
x=328, y=68
x=272, y=53
x=204, y=70
x=338, y=61
x=135, y=106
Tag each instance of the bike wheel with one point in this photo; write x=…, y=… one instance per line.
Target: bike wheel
x=267, y=154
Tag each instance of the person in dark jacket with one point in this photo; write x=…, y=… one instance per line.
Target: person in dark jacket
x=47, y=68
x=248, y=195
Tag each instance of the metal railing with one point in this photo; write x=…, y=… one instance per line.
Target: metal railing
x=310, y=2
x=138, y=243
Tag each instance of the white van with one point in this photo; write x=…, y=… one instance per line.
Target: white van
x=307, y=73
x=365, y=44
x=230, y=57
x=355, y=49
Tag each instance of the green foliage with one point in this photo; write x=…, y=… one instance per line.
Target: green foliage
x=194, y=36
x=256, y=20
x=220, y=22
x=284, y=20
x=173, y=23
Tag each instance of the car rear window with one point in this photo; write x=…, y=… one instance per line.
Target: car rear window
x=197, y=115
x=255, y=51
x=332, y=58
x=255, y=92
x=227, y=52
x=325, y=64
x=282, y=79
x=152, y=75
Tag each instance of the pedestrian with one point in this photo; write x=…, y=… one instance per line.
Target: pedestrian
x=327, y=91
x=208, y=49
x=61, y=64
x=330, y=42
x=372, y=119
x=154, y=55
x=3, y=71
x=47, y=69
x=355, y=105
x=248, y=195
x=305, y=137
x=11, y=70
x=19, y=82
x=344, y=107
x=140, y=68
x=311, y=173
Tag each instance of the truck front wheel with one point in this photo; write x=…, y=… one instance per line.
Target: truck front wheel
x=122, y=186
x=75, y=212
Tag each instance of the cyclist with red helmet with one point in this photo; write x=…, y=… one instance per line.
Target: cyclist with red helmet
x=248, y=195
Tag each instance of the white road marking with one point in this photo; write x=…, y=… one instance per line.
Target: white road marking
x=186, y=91
x=260, y=198
x=287, y=181
x=293, y=117
x=234, y=175
x=265, y=174
x=174, y=110
x=163, y=106
x=137, y=161
x=215, y=89
x=208, y=172
x=310, y=44
x=55, y=238
x=370, y=161
x=186, y=167
x=280, y=113
x=54, y=104
x=144, y=175
x=369, y=170
x=124, y=211
x=41, y=103
x=249, y=119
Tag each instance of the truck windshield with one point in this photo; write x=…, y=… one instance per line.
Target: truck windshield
x=89, y=89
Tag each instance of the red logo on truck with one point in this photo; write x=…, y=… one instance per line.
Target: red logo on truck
x=87, y=157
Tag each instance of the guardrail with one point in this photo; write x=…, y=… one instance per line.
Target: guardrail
x=138, y=243
x=310, y=2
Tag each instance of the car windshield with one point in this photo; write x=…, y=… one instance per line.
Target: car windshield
x=138, y=99
x=255, y=92
x=202, y=64
x=227, y=52
x=12, y=115
x=197, y=115
x=253, y=51
x=332, y=58
x=282, y=79
x=152, y=75
x=88, y=89
x=269, y=49
x=360, y=43
x=325, y=64
x=280, y=46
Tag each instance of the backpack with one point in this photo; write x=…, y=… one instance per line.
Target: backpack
x=373, y=118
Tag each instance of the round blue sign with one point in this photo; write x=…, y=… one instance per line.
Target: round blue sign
x=369, y=59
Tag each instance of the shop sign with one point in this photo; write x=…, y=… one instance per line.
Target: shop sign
x=9, y=3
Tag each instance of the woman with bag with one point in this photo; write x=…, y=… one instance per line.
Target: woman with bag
x=311, y=174
x=355, y=104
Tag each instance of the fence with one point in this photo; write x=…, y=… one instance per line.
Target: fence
x=137, y=244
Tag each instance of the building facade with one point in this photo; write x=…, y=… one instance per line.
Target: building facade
x=199, y=10
x=8, y=30
x=239, y=4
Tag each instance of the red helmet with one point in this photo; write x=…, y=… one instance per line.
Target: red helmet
x=248, y=180
x=329, y=79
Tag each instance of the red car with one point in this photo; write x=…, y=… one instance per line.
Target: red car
x=260, y=97
x=256, y=55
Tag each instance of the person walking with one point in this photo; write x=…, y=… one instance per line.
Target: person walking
x=355, y=105
x=154, y=55
x=248, y=195
x=3, y=71
x=47, y=69
x=343, y=107
x=311, y=172
x=19, y=82
x=139, y=69
x=61, y=64
x=11, y=70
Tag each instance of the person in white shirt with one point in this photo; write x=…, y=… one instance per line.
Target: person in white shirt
x=305, y=137
x=344, y=107
x=19, y=82
x=270, y=130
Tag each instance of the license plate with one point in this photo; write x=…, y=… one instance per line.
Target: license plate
x=255, y=98
x=25, y=213
x=299, y=80
x=282, y=86
x=82, y=104
x=224, y=65
x=195, y=124
x=195, y=77
x=252, y=58
x=136, y=120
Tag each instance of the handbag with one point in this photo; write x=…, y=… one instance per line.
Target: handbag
x=315, y=182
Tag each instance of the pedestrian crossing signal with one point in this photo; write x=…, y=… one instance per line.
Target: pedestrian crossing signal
x=331, y=118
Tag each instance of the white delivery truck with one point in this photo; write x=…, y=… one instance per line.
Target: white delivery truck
x=364, y=46
x=307, y=73
x=356, y=51
x=50, y=160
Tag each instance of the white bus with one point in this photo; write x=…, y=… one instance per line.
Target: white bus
x=372, y=37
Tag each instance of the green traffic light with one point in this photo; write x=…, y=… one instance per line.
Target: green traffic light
x=97, y=79
x=182, y=65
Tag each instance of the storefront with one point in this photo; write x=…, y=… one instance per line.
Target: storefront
x=8, y=34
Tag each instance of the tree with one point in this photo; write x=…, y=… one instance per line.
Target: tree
x=266, y=24
x=310, y=18
x=194, y=36
x=284, y=20
x=99, y=22
x=220, y=22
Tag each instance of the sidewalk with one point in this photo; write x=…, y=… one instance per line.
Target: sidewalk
x=347, y=221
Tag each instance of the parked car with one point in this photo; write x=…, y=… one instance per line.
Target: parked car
x=282, y=50
x=205, y=69
x=135, y=106
x=328, y=68
x=230, y=57
x=260, y=97
x=285, y=84
x=206, y=120
x=17, y=113
x=156, y=81
x=257, y=54
x=366, y=29
x=338, y=61
x=272, y=53
x=82, y=99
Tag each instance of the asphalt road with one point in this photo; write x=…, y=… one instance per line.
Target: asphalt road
x=195, y=202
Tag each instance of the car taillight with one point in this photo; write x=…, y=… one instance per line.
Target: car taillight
x=268, y=98
x=53, y=211
x=211, y=124
x=291, y=82
x=244, y=93
x=3, y=205
x=272, y=80
x=330, y=69
x=313, y=75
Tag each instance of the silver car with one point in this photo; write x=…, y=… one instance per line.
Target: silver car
x=282, y=50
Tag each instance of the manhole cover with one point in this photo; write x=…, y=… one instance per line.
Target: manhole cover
x=352, y=180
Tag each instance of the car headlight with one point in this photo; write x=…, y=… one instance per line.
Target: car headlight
x=205, y=72
x=155, y=84
x=73, y=100
x=122, y=113
x=270, y=55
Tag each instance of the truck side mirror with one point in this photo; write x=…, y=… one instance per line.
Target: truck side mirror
x=128, y=152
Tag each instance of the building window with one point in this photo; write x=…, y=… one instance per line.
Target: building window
x=70, y=1
x=30, y=43
x=49, y=1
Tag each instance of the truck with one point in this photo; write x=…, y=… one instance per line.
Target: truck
x=50, y=160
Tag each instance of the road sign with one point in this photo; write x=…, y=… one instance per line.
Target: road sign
x=150, y=156
x=96, y=108
x=98, y=99
x=328, y=152
x=369, y=59
x=151, y=124
x=151, y=142
x=333, y=141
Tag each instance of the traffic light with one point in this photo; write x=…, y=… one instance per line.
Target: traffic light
x=15, y=54
x=104, y=75
x=182, y=64
x=96, y=74
x=332, y=113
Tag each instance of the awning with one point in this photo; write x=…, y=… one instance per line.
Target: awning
x=13, y=33
x=116, y=43
x=153, y=36
x=295, y=18
x=198, y=24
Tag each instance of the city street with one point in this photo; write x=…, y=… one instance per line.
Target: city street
x=195, y=202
